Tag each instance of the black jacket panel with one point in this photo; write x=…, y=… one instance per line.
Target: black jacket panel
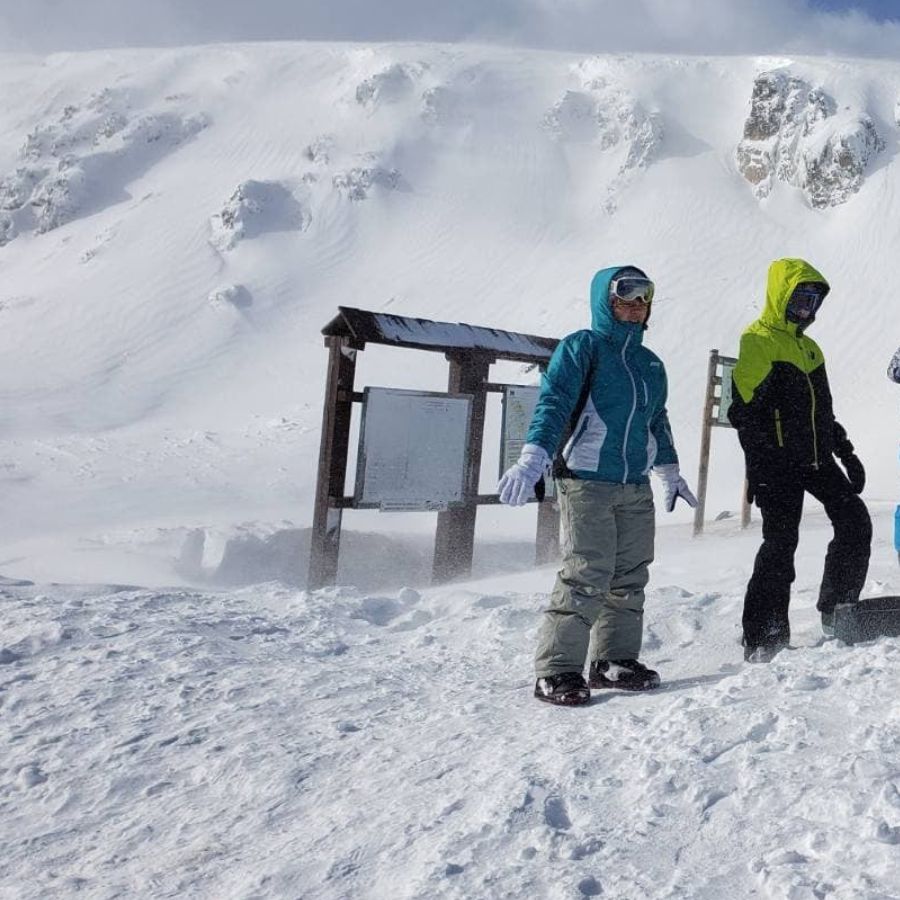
x=788, y=426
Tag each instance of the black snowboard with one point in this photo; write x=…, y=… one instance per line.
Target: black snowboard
x=870, y=618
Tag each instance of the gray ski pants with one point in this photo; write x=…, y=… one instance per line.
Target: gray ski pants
x=608, y=532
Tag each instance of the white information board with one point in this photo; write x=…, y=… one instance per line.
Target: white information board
x=725, y=398
x=413, y=447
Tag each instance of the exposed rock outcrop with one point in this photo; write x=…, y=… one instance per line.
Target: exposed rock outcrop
x=231, y=295
x=603, y=115
x=255, y=208
x=609, y=118
x=83, y=160
x=358, y=181
x=795, y=134
x=391, y=85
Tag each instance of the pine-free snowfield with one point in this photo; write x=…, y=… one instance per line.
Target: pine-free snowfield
x=202, y=213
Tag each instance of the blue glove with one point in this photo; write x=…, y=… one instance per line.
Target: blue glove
x=675, y=486
x=516, y=486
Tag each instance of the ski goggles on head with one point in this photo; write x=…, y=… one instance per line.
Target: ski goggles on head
x=631, y=288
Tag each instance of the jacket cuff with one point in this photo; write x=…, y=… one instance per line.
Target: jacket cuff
x=535, y=451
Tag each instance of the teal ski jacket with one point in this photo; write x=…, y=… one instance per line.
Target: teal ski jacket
x=623, y=428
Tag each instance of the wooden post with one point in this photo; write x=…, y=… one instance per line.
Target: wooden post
x=546, y=541
x=333, y=450
x=454, y=540
x=745, y=507
x=546, y=547
x=705, y=434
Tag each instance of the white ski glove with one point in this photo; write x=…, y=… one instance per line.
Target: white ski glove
x=675, y=485
x=516, y=486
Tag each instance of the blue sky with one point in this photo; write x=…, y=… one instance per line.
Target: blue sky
x=880, y=10
x=710, y=27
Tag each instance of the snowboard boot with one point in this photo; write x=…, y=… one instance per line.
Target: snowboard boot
x=828, y=624
x=762, y=653
x=624, y=674
x=565, y=689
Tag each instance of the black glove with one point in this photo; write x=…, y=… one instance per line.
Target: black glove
x=843, y=450
x=754, y=475
x=761, y=480
x=842, y=446
x=856, y=474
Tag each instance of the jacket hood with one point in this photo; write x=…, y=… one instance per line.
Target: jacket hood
x=784, y=276
x=602, y=319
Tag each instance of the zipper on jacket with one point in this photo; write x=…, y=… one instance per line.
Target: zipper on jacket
x=631, y=414
x=812, y=419
x=778, y=435
x=812, y=414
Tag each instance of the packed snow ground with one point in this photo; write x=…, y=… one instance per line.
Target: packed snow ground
x=177, y=716
x=270, y=743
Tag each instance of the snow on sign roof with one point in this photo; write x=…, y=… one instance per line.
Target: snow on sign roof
x=423, y=334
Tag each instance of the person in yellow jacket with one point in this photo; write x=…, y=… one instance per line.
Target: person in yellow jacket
x=782, y=410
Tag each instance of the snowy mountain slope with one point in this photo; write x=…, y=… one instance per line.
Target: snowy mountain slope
x=178, y=226
x=196, y=216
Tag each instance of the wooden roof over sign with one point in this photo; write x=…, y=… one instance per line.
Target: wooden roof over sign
x=366, y=327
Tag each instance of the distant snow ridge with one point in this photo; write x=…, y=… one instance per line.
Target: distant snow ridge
x=82, y=162
x=256, y=208
x=795, y=134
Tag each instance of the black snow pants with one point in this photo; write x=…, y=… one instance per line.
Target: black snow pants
x=780, y=502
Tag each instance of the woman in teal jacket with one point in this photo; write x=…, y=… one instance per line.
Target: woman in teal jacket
x=612, y=391
x=622, y=429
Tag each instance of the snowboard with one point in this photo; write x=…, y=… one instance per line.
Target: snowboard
x=870, y=618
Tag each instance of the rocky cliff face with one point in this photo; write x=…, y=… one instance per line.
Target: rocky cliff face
x=796, y=134
x=605, y=114
x=74, y=165
x=602, y=113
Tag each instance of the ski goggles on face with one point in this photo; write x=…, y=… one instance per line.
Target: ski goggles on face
x=807, y=298
x=631, y=288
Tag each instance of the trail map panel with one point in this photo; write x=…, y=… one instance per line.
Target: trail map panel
x=412, y=449
x=725, y=398
x=519, y=401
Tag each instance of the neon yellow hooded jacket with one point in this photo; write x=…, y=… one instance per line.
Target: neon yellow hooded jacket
x=782, y=405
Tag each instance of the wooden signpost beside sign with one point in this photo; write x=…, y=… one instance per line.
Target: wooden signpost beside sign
x=715, y=415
